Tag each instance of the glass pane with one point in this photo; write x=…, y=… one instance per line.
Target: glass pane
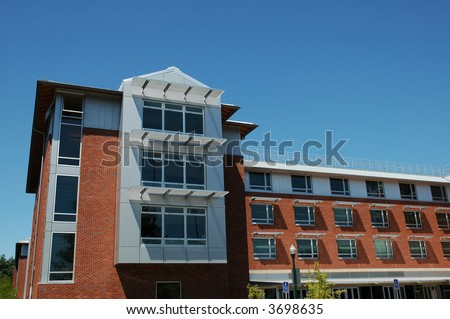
x=443, y=220
x=194, y=123
x=196, y=227
x=62, y=252
x=151, y=169
x=198, y=211
x=336, y=185
x=380, y=248
x=70, y=139
x=73, y=103
x=151, y=225
x=173, y=121
x=257, y=179
x=299, y=183
x=152, y=119
x=304, y=215
x=61, y=276
x=195, y=173
x=173, y=226
x=64, y=218
x=173, y=172
x=66, y=194
x=304, y=247
x=152, y=104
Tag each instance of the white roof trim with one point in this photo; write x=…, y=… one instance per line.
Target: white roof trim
x=345, y=204
x=266, y=234
x=265, y=199
x=141, y=137
x=311, y=234
x=307, y=201
x=142, y=193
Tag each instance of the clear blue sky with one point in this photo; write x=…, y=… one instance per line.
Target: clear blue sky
x=375, y=72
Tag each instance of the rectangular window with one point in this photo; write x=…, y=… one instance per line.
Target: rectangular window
x=172, y=117
x=71, y=129
x=260, y=181
x=62, y=257
x=262, y=213
x=173, y=225
x=418, y=248
x=446, y=248
x=408, y=191
x=168, y=290
x=443, y=220
x=413, y=220
x=383, y=248
x=301, y=184
x=304, y=215
x=343, y=216
x=339, y=186
x=379, y=218
x=439, y=193
x=173, y=170
x=347, y=248
x=307, y=248
x=66, y=199
x=264, y=248
x=375, y=188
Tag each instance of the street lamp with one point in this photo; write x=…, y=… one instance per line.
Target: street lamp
x=293, y=252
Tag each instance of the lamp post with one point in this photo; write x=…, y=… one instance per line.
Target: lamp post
x=293, y=252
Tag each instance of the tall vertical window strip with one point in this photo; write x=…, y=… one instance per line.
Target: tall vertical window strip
x=304, y=215
x=301, y=184
x=264, y=248
x=172, y=117
x=375, y=188
x=339, y=186
x=343, y=217
x=439, y=193
x=62, y=257
x=66, y=199
x=71, y=129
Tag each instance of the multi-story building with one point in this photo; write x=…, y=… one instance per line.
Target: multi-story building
x=143, y=192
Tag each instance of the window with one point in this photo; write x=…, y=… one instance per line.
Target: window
x=304, y=215
x=173, y=225
x=71, y=127
x=408, y=191
x=339, y=186
x=168, y=290
x=383, y=248
x=173, y=170
x=375, y=188
x=446, y=248
x=413, y=220
x=379, y=218
x=62, y=257
x=262, y=213
x=172, y=117
x=443, y=220
x=301, y=184
x=66, y=199
x=307, y=248
x=260, y=181
x=264, y=248
x=347, y=248
x=343, y=217
x=418, y=248
x=439, y=193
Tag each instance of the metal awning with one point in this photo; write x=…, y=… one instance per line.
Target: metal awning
x=304, y=202
x=345, y=204
x=142, y=138
x=442, y=210
x=392, y=236
x=265, y=199
x=142, y=193
x=378, y=205
x=311, y=234
x=266, y=234
x=445, y=238
x=413, y=208
x=424, y=237
x=349, y=235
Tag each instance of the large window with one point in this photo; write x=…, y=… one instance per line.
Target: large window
x=379, y=218
x=304, y=215
x=173, y=170
x=307, y=248
x=413, y=219
x=347, y=248
x=418, y=248
x=443, y=220
x=264, y=248
x=408, y=191
x=375, y=188
x=168, y=290
x=260, y=181
x=383, y=248
x=172, y=117
x=301, y=184
x=439, y=193
x=446, y=248
x=71, y=127
x=62, y=257
x=66, y=199
x=343, y=217
x=339, y=186
x=173, y=225
x=262, y=213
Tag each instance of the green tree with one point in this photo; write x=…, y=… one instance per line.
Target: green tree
x=319, y=287
x=7, y=290
x=254, y=292
x=6, y=266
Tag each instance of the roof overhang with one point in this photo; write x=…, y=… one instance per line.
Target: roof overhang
x=244, y=127
x=143, y=193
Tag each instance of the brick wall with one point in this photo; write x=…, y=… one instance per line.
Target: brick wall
x=19, y=276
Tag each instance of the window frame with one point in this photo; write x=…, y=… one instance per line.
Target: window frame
x=271, y=248
x=267, y=181
x=380, y=189
x=443, y=197
x=345, y=186
x=311, y=212
x=412, y=194
x=384, y=218
x=422, y=247
x=353, y=248
x=313, y=253
x=389, y=249
x=349, y=222
x=447, y=220
x=70, y=118
x=268, y=220
x=417, y=217
x=445, y=250
x=307, y=181
x=77, y=190
x=71, y=272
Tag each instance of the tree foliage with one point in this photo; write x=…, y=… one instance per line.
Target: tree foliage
x=254, y=292
x=319, y=287
x=6, y=266
x=7, y=290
